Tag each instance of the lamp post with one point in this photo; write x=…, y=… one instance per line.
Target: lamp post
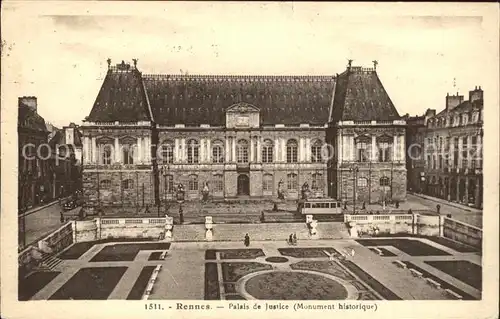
x=354, y=169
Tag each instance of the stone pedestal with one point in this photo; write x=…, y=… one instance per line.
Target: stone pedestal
x=353, y=229
x=209, y=227
x=169, y=224
x=312, y=228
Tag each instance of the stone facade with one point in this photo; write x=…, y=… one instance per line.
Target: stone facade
x=242, y=136
x=379, y=177
x=451, y=144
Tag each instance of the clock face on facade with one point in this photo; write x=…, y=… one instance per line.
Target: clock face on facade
x=242, y=121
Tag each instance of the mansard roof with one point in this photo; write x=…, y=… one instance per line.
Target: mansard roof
x=204, y=99
x=121, y=98
x=465, y=106
x=360, y=96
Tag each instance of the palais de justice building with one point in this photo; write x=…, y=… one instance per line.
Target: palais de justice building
x=242, y=135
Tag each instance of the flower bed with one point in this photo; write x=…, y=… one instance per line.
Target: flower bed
x=141, y=283
x=233, y=271
x=307, y=252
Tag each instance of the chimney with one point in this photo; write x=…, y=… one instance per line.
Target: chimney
x=475, y=95
x=452, y=101
x=29, y=101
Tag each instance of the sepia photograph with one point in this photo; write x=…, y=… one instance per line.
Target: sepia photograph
x=273, y=157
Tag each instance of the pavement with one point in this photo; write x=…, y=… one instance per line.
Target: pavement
x=182, y=276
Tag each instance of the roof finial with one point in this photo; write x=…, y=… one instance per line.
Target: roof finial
x=349, y=63
x=135, y=62
x=375, y=63
x=109, y=62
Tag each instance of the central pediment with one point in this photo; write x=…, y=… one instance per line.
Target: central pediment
x=242, y=115
x=243, y=107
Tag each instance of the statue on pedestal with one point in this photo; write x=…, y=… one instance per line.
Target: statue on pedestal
x=281, y=193
x=205, y=192
x=180, y=193
x=305, y=190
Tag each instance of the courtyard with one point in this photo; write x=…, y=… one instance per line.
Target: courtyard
x=270, y=270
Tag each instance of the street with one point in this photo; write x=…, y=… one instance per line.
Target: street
x=42, y=222
x=473, y=217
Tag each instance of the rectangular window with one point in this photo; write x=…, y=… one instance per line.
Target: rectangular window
x=383, y=152
x=193, y=184
x=291, y=154
x=292, y=182
x=218, y=183
x=267, y=183
x=362, y=153
x=169, y=181
x=128, y=157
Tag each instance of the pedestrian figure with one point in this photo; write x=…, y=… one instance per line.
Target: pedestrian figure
x=262, y=217
x=247, y=240
x=290, y=239
x=352, y=252
x=438, y=208
x=294, y=238
x=364, y=205
x=62, y=217
x=147, y=210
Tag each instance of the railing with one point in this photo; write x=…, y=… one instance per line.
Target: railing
x=128, y=221
x=391, y=218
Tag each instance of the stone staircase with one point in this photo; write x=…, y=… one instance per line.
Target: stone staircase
x=260, y=232
x=49, y=261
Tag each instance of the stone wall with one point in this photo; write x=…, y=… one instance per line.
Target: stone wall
x=58, y=240
x=118, y=194
x=462, y=232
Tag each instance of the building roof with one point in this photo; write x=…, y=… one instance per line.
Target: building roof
x=203, y=99
x=121, y=98
x=360, y=96
x=465, y=106
x=128, y=96
x=29, y=119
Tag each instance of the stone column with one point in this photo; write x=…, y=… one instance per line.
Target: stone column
x=395, y=148
x=402, y=154
x=352, y=147
x=233, y=148
x=277, y=157
x=94, y=150
x=477, y=193
x=251, y=160
x=202, y=150
x=209, y=151
x=177, y=158
x=86, y=150
x=339, y=149
x=139, y=150
x=226, y=151
x=183, y=151
x=458, y=190
x=302, y=149
x=460, y=147
x=374, y=149
x=283, y=149
x=259, y=150
x=147, y=149
x=308, y=150
x=117, y=151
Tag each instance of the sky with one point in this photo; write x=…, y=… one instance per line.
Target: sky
x=57, y=51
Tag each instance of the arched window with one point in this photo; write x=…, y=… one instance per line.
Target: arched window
x=128, y=184
x=193, y=150
x=218, y=152
x=267, y=151
x=267, y=183
x=167, y=153
x=317, y=181
x=106, y=154
x=291, y=151
x=105, y=184
x=193, y=183
x=292, y=181
x=242, y=151
x=218, y=183
x=384, y=181
x=316, y=152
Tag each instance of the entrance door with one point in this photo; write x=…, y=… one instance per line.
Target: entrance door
x=243, y=185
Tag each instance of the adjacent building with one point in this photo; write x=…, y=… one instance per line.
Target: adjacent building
x=33, y=171
x=240, y=137
x=452, y=150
